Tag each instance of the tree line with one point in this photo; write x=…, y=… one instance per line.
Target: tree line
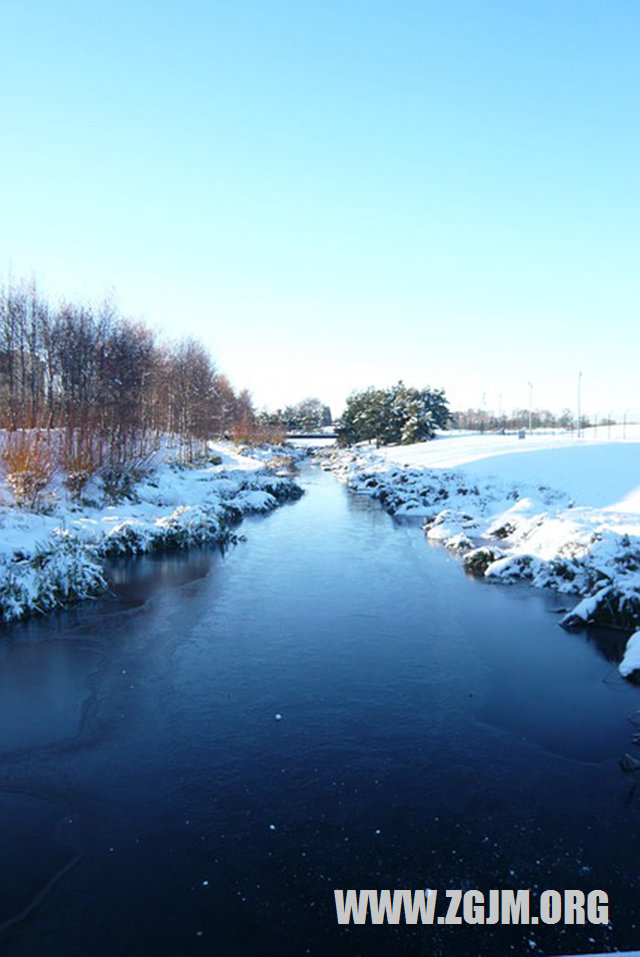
x=309, y=415
x=479, y=420
x=79, y=367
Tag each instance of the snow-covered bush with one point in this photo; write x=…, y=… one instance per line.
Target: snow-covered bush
x=63, y=571
x=630, y=664
x=477, y=561
x=613, y=604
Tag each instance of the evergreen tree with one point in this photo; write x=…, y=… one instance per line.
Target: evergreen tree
x=397, y=415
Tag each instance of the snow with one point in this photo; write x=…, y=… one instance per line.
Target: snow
x=594, y=470
x=47, y=560
x=550, y=508
x=631, y=661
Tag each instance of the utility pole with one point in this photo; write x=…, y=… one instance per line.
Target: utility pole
x=579, y=385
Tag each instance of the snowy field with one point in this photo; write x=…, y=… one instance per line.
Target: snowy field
x=595, y=470
x=554, y=510
x=50, y=559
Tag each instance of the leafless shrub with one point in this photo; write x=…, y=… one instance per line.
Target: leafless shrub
x=80, y=455
x=28, y=462
x=251, y=434
x=126, y=460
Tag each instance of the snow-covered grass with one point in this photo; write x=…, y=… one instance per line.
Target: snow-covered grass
x=550, y=509
x=48, y=560
x=630, y=664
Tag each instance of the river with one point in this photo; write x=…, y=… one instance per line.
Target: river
x=194, y=764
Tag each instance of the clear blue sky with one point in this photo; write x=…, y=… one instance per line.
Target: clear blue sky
x=337, y=193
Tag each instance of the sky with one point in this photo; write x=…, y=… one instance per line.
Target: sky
x=333, y=194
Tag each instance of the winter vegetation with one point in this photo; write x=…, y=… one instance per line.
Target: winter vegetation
x=54, y=556
x=309, y=415
x=630, y=664
x=397, y=415
x=86, y=392
x=552, y=510
x=106, y=448
x=115, y=443
x=106, y=383
x=481, y=420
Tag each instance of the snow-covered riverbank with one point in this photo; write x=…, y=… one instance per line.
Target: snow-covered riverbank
x=49, y=560
x=552, y=510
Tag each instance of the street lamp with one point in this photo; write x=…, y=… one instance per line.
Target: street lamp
x=579, y=385
x=530, y=402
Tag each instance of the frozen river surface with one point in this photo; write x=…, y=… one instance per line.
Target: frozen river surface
x=192, y=767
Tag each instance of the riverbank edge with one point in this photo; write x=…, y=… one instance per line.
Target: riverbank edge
x=477, y=519
x=62, y=558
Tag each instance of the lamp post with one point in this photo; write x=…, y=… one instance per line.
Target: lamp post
x=530, y=402
x=579, y=385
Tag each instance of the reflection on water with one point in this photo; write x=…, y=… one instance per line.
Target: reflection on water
x=331, y=704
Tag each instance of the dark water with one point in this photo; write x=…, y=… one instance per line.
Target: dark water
x=434, y=732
